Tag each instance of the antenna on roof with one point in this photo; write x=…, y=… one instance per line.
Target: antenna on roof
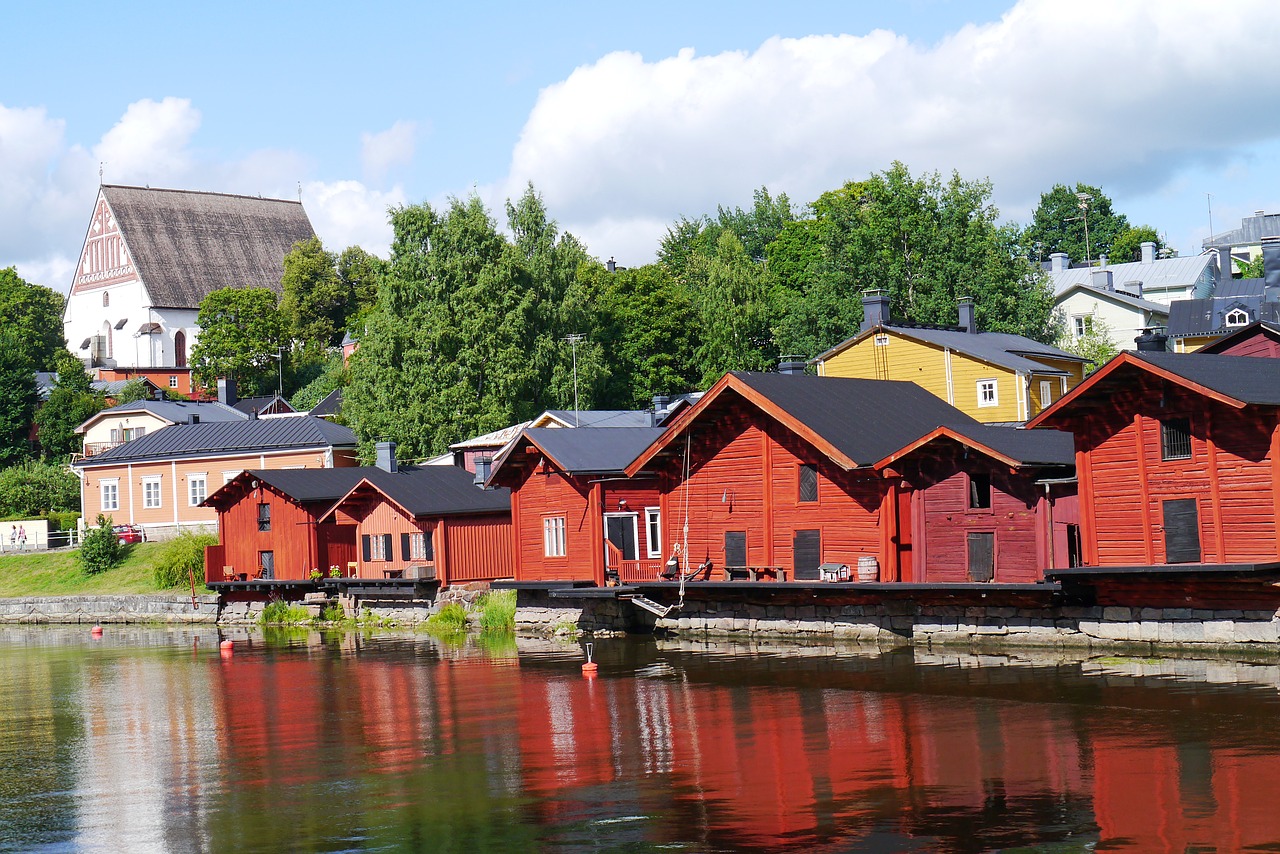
x=101, y=163
x=299, y=192
x=573, y=339
x=1208, y=197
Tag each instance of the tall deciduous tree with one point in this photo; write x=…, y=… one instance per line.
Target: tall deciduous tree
x=360, y=273
x=72, y=401
x=34, y=314
x=316, y=301
x=17, y=396
x=241, y=331
x=1128, y=244
x=1058, y=224
x=731, y=298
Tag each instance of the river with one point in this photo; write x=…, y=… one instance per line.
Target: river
x=150, y=739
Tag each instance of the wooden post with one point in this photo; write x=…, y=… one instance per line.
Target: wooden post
x=1144, y=491
x=518, y=567
x=595, y=505
x=766, y=453
x=1215, y=493
x=1088, y=524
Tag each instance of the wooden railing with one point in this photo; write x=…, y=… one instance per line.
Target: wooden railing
x=91, y=448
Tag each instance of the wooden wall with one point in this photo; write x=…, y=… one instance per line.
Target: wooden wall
x=297, y=541
x=1259, y=344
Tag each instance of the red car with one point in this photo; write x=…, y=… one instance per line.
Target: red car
x=129, y=533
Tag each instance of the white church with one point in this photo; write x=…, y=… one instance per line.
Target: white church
x=151, y=255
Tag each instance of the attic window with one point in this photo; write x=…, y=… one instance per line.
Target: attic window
x=979, y=491
x=84, y=345
x=882, y=340
x=808, y=483
x=1237, y=317
x=1175, y=439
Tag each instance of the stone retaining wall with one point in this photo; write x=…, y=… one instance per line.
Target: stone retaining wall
x=903, y=623
x=159, y=608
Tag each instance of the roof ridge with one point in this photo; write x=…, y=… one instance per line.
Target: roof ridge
x=258, y=198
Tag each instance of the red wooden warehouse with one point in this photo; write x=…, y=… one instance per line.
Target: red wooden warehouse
x=427, y=522
x=1260, y=338
x=570, y=497
x=777, y=474
x=1178, y=458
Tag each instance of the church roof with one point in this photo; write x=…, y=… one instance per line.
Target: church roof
x=186, y=244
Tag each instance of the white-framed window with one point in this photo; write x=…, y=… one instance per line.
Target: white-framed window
x=378, y=547
x=988, y=394
x=197, y=488
x=228, y=476
x=1046, y=393
x=291, y=468
x=110, y=494
x=173, y=382
x=653, y=531
x=553, y=536
x=882, y=340
x=418, y=549
x=1237, y=317
x=151, y=492
x=127, y=434
x=1082, y=324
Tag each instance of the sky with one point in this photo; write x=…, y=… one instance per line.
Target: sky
x=625, y=117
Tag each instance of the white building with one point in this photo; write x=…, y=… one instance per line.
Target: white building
x=1099, y=304
x=1160, y=280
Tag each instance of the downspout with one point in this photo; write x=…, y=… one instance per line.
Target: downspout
x=951, y=391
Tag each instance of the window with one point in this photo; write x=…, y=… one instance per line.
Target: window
x=151, y=492
x=197, y=488
x=653, y=530
x=1237, y=317
x=987, y=393
x=127, y=434
x=979, y=491
x=264, y=517
x=553, y=536
x=1082, y=324
x=110, y=494
x=378, y=547
x=179, y=349
x=882, y=340
x=1046, y=393
x=808, y=482
x=483, y=466
x=228, y=476
x=417, y=546
x=1175, y=439
x=173, y=382
x=106, y=299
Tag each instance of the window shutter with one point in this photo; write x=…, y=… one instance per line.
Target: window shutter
x=387, y=554
x=808, y=483
x=431, y=549
x=404, y=547
x=366, y=548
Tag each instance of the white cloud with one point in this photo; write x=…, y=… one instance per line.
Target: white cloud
x=149, y=145
x=384, y=151
x=1119, y=94
x=347, y=213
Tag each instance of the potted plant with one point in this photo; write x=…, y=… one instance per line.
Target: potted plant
x=335, y=572
x=316, y=575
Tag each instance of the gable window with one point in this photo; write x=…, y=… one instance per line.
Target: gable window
x=264, y=517
x=1237, y=317
x=1046, y=393
x=882, y=340
x=808, y=482
x=553, y=536
x=106, y=299
x=110, y=494
x=151, y=492
x=653, y=530
x=979, y=491
x=988, y=394
x=197, y=488
x=1082, y=324
x=1175, y=439
x=173, y=382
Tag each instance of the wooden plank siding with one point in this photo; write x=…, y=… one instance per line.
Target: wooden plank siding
x=298, y=542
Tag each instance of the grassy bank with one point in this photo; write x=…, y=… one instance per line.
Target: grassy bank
x=59, y=574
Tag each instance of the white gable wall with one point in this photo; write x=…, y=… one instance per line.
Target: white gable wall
x=1124, y=321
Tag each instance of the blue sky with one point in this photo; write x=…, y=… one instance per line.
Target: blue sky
x=627, y=117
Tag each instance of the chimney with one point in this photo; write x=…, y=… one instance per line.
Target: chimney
x=386, y=456
x=253, y=414
x=1152, y=340
x=1058, y=262
x=1102, y=280
x=227, y=391
x=1224, y=264
x=158, y=394
x=1148, y=252
x=791, y=365
x=875, y=309
x=968, y=322
x=1271, y=262
x=1134, y=287
x=611, y=265
x=1102, y=260
x=192, y=418
x=660, y=402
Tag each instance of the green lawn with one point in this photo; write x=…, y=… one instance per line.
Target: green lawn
x=59, y=574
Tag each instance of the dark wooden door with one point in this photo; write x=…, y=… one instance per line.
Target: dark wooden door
x=982, y=555
x=267, y=560
x=621, y=531
x=807, y=550
x=1181, y=531
x=906, y=567
x=735, y=548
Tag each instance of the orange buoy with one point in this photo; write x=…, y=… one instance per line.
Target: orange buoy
x=227, y=645
x=590, y=668
x=96, y=631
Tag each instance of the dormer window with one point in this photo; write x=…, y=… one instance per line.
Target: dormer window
x=1237, y=317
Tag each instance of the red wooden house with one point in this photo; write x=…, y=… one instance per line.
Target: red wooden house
x=570, y=497
x=1260, y=338
x=427, y=522
x=782, y=473
x=1178, y=457
x=269, y=524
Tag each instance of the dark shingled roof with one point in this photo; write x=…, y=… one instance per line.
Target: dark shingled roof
x=1248, y=379
x=1028, y=447
x=330, y=407
x=439, y=491
x=1209, y=316
x=269, y=404
x=866, y=420
x=305, y=485
x=227, y=437
x=186, y=244
x=586, y=450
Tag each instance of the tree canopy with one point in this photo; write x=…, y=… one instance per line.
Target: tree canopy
x=72, y=401
x=241, y=333
x=34, y=314
x=1058, y=224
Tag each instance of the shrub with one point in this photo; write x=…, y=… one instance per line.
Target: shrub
x=281, y=613
x=34, y=488
x=450, y=619
x=101, y=549
x=498, y=611
x=63, y=520
x=333, y=613
x=182, y=557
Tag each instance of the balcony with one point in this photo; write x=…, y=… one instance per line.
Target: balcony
x=94, y=448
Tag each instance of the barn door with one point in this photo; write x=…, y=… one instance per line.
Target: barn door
x=807, y=549
x=982, y=555
x=621, y=531
x=906, y=565
x=1181, y=531
x=735, y=548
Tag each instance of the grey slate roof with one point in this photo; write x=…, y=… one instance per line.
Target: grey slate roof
x=1248, y=379
x=602, y=417
x=585, y=451
x=212, y=439
x=1252, y=229
x=1014, y=352
x=266, y=403
x=439, y=491
x=1115, y=296
x=1160, y=275
x=186, y=244
x=173, y=411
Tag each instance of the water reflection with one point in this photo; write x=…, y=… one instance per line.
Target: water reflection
x=150, y=740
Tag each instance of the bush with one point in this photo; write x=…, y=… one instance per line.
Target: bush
x=34, y=488
x=63, y=520
x=101, y=549
x=281, y=613
x=182, y=557
x=450, y=619
x=498, y=611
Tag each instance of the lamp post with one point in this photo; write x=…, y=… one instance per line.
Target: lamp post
x=1083, y=203
x=279, y=357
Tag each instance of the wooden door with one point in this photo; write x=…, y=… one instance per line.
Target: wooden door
x=1181, y=531
x=906, y=569
x=621, y=531
x=735, y=549
x=982, y=555
x=337, y=546
x=267, y=560
x=807, y=553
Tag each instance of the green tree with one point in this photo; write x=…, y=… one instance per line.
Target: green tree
x=101, y=548
x=315, y=303
x=333, y=375
x=1253, y=269
x=34, y=314
x=1095, y=344
x=360, y=273
x=34, y=488
x=1128, y=244
x=72, y=401
x=1058, y=224
x=241, y=331
x=134, y=390
x=17, y=396
x=731, y=298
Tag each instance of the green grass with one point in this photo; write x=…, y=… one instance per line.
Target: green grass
x=58, y=573
x=498, y=611
x=281, y=613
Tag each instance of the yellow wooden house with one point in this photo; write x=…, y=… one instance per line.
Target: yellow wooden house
x=992, y=376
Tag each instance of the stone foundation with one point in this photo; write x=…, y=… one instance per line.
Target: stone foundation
x=900, y=623
x=160, y=608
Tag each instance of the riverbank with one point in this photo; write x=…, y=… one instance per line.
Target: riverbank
x=58, y=573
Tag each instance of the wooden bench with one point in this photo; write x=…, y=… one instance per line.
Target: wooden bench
x=754, y=573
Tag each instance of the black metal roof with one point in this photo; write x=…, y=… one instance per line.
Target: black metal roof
x=438, y=491
x=1014, y=352
x=227, y=437
x=1248, y=379
x=1209, y=316
x=310, y=484
x=592, y=451
x=1028, y=447
x=330, y=406
x=270, y=403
